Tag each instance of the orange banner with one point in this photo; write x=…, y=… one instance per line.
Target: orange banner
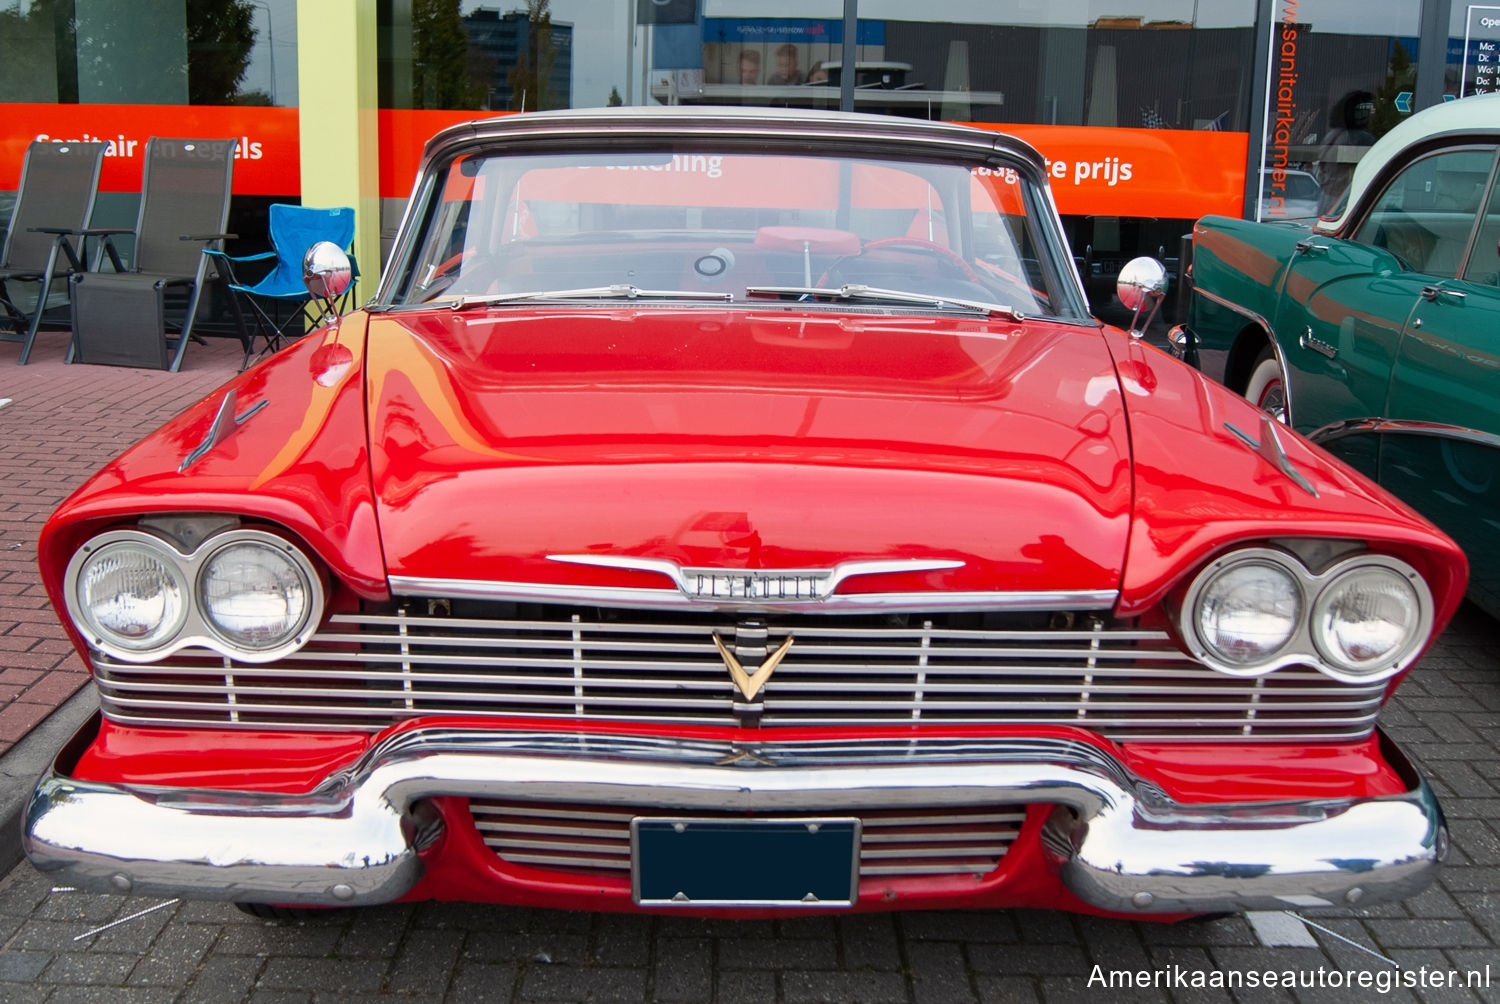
x=1094, y=171
x=1174, y=173
x=266, y=154
x=403, y=133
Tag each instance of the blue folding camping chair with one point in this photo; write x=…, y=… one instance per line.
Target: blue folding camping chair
x=294, y=229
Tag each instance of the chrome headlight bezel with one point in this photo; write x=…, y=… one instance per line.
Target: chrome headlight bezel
x=1200, y=594
x=195, y=629
x=1304, y=647
x=1350, y=671
x=83, y=614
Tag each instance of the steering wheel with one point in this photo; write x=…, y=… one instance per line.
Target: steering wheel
x=930, y=247
x=951, y=262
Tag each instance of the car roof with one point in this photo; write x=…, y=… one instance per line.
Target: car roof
x=807, y=125
x=1476, y=115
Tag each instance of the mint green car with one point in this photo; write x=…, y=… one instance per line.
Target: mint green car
x=1376, y=330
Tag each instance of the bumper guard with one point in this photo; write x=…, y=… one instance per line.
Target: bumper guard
x=1119, y=842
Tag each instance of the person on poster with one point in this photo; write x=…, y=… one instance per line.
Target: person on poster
x=749, y=66
x=787, y=71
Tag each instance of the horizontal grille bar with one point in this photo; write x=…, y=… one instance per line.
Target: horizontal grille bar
x=893, y=844
x=371, y=670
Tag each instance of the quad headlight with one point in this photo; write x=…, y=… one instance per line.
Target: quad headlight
x=132, y=594
x=1249, y=611
x=246, y=594
x=1254, y=610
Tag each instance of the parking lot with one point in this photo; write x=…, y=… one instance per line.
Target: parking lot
x=58, y=945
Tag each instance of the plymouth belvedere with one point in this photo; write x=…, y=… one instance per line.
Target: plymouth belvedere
x=733, y=512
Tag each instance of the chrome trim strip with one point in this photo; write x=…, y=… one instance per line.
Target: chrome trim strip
x=1235, y=308
x=666, y=599
x=1265, y=327
x=1119, y=843
x=225, y=421
x=766, y=585
x=1270, y=449
x=1354, y=426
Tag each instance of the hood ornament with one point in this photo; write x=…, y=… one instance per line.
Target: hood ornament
x=760, y=586
x=749, y=684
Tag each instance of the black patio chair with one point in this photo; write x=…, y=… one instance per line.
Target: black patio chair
x=58, y=185
x=120, y=317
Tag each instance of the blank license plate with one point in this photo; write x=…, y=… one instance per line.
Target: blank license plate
x=744, y=862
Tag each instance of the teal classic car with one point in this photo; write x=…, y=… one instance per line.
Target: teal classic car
x=1376, y=330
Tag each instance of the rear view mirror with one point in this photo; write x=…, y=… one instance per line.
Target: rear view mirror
x=326, y=271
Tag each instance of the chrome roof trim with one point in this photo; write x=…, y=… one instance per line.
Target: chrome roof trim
x=664, y=599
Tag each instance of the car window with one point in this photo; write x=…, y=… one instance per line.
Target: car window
x=1301, y=186
x=727, y=224
x=1484, y=260
x=1426, y=214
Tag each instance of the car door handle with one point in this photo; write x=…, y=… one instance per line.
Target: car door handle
x=1306, y=246
x=1431, y=293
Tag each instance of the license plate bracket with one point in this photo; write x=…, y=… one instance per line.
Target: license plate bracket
x=677, y=861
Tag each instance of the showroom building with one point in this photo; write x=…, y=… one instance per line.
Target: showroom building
x=1151, y=113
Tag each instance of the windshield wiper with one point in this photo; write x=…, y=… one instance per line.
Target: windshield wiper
x=620, y=291
x=855, y=291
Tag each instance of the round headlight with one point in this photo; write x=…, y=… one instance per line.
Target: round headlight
x=255, y=595
x=1366, y=621
x=131, y=594
x=1247, y=612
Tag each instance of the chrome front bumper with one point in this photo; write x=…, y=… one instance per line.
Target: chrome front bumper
x=1119, y=842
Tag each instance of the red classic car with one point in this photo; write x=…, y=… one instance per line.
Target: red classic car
x=739, y=512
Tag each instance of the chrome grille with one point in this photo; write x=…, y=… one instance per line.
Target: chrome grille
x=893, y=844
x=370, y=670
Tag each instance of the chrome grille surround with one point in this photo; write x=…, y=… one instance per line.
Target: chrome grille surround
x=367, y=671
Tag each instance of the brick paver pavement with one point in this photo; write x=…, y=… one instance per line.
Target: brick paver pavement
x=59, y=425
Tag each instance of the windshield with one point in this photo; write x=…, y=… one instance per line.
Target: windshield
x=731, y=227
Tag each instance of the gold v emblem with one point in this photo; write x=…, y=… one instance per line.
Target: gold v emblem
x=749, y=684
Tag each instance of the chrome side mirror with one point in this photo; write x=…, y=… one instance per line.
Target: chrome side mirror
x=326, y=273
x=1142, y=284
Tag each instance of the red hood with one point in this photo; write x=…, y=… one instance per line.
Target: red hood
x=735, y=440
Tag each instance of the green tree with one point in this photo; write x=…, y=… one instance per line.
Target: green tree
x=220, y=35
x=615, y=100
x=530, y=77
x=440, y=58
x=1400, y=76
x=28, y=53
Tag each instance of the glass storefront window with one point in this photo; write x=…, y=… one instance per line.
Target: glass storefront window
x=1473, y=57
x=149, y=52
x=1342, y=74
